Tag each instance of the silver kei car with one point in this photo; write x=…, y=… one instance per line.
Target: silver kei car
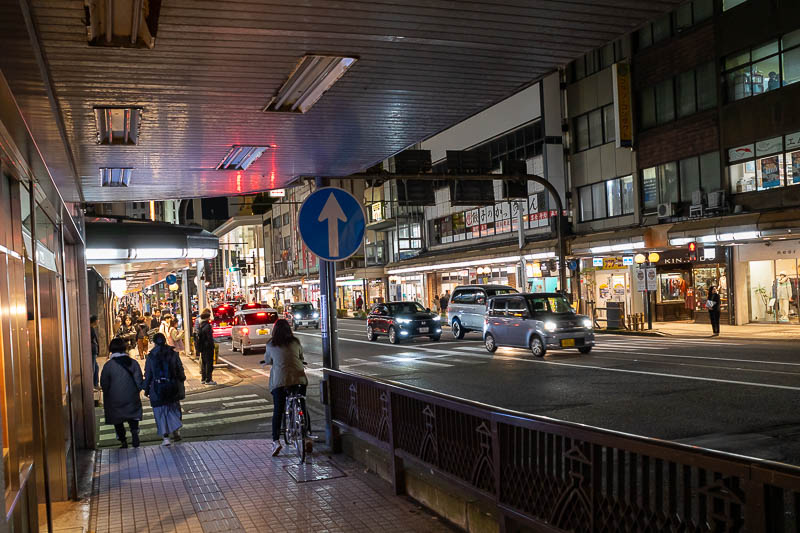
x=539, y=321
x=251, y=329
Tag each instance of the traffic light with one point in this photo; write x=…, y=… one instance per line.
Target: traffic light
x=692, y=251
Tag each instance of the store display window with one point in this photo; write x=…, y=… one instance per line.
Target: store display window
x=774, y=289
x=764, y=165
x=672, y=287
x=704, y=278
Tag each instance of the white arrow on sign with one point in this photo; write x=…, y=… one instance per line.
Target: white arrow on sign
x=333, y=213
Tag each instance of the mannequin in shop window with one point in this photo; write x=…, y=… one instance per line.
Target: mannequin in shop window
x=782, y=291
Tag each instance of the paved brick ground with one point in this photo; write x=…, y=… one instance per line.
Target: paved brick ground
x=237, y=486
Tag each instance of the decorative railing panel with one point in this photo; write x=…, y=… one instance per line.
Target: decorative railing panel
x=568, y=476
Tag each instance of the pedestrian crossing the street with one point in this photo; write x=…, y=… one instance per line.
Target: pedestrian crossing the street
x=200, y=414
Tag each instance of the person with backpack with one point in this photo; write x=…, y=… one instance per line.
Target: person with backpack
x=205, y=345
x=164, y=379
x=121, y=381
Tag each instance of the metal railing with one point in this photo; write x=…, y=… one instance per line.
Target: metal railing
x=560, y=476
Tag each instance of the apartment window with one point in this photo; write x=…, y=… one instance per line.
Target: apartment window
x=684, y=17
x=276, y=222
x=677, y=180
x=594, y=128
x=766, y=164
x=611, y=198
x=287, y=243
x=763, y=68
x=524, y=143
x=285, y=219
x=597, y=60
x=683, y=95
x=729, y=4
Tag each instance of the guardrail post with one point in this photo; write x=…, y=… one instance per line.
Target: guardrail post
x=397, y=469
x=755, y=509
x=502, y=519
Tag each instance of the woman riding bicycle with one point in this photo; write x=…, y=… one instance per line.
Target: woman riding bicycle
x=285, y=354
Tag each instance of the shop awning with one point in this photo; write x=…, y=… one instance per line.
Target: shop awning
x=237, y=222
x=780, y=223
x=609, y=242
x=723, y=229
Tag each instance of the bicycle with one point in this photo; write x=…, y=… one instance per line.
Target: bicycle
x=295, y=422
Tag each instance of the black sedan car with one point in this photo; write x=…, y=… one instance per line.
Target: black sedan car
x=402, y=320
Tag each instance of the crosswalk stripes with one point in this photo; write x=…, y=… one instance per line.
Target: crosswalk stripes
x=212, y=412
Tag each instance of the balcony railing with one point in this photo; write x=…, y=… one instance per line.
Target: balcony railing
x=559, y=476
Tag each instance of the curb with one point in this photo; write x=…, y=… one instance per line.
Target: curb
x=633, y=333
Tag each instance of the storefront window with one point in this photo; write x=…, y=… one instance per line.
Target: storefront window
x=765, y=165
x=774, y=288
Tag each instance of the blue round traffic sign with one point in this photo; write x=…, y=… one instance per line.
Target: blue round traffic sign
x=171, y=279
x=332, y=223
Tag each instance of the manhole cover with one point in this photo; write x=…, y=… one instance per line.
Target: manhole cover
x=303, y=473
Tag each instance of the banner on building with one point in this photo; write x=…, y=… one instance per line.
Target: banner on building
x=623, y=112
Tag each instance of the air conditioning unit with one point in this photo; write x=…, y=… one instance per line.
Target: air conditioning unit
x=666, y=210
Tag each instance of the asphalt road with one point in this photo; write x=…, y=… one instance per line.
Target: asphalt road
x=727, y=394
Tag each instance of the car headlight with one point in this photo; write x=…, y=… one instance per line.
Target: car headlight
x=587, y=323
x=316, y=315
x=437, y=318
x=403, y=321
x=550, y=326
x=298, y=316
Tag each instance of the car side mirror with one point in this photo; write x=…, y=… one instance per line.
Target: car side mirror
x=428, y=309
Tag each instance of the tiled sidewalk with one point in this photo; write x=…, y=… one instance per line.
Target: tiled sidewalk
x=220, y=486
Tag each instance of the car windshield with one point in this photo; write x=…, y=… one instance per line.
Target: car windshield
x=497, y=292
x=552, y=304
x=262, y=317
x=405, y=308
x=223, y=313
x=303, y=308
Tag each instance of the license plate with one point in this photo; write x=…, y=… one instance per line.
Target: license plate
x=263, y=332
x=423, y=330
x=223, y=324
x=567, y=342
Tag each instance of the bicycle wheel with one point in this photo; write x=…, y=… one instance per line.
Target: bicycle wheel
x=287, y=423
x=299, y=432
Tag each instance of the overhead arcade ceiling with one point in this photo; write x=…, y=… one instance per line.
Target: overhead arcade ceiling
x=215, y=66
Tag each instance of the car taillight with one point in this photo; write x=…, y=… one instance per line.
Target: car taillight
x=245, y=331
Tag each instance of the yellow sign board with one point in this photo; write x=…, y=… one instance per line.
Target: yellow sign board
x=622, y=104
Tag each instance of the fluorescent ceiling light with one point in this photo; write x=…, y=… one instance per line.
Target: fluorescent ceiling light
x=312, y=76
x=708, y=238
x=240, y=157
x=463, y=264
x=746, y=235
x=106, y=253
x=543, y=255
x=117, y=125
x=201, y=253
x=115, y=177
x=158, y=253
x=681, y=241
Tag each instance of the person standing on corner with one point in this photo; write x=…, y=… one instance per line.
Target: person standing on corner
x=95, y=350
x=712, y=304
x=121, y=381
x=444, y=301
x=164, y=379
x=205, y=345
x=285, y=354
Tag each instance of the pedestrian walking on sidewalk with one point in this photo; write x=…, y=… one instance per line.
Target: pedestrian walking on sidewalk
x=95, y=350
x=127, y=332
x=205, y=345
x=712, y=304
x=121, y=381
x=285, y=354
x=142, y=341
x=175, y=336
x=155, y=321
x=164, y=384
x=444, y=301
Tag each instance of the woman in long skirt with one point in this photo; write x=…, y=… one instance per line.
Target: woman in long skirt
x=164, y=384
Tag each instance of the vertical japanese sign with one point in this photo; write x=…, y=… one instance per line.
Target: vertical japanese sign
x=623, y=112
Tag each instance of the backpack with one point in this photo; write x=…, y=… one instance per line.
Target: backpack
x=164, y=383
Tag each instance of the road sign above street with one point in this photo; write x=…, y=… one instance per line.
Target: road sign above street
x=171, y=279
x=332, y=223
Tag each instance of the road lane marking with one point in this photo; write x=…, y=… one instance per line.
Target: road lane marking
x=731, y=359
x=697, y=365
x=661, y=374
x=237, y=367
x=409, y=359
x=198, y=416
